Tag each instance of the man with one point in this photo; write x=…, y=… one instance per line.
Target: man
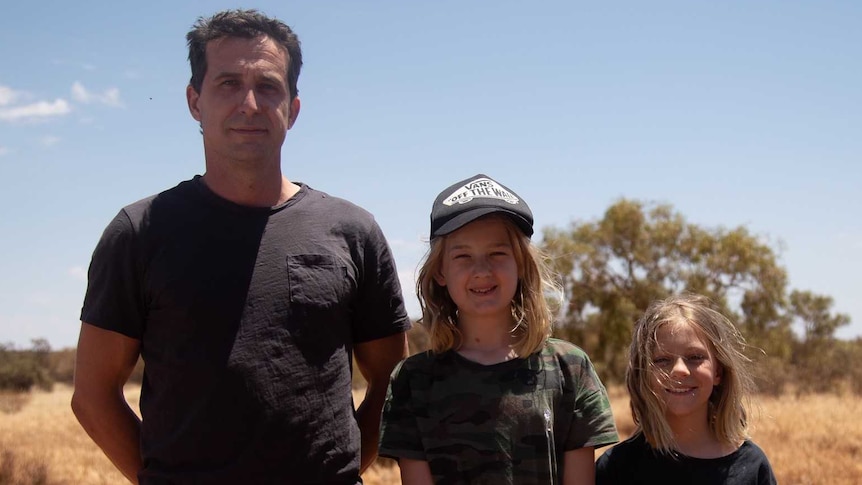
x=246, y=294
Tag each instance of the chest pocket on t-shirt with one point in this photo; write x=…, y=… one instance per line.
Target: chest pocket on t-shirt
x=320, y=294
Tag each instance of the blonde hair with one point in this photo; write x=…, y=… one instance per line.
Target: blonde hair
x=729, y=403
x=530, y=308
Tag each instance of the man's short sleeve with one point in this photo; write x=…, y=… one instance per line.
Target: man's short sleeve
x=380, y=308
x=113, y=300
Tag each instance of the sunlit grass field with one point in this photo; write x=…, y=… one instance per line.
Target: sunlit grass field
x=814, y=439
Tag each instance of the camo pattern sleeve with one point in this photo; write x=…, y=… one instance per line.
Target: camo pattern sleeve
x=399, y=432
x=587, y=417
x=498, y=424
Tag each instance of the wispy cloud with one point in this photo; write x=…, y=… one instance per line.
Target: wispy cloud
x=3, y=151
x=109, y=97
x=36, y=111
x=78, y=273
x=8, y=95
x=49, y=140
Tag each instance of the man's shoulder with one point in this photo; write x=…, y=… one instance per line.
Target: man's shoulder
x=334, y=211
x=172, y=195
x=323, y=197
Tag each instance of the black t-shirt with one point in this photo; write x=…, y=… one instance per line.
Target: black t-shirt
x=635, y=462
x=247, y=318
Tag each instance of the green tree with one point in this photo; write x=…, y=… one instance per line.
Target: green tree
x=819, y=361
x=20, y=370
x=613, y=268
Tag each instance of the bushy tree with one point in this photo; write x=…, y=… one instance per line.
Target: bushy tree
x=613, y=268
x=817, y=354
x=20, y=370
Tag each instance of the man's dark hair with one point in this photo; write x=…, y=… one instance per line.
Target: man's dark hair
x=247, y=24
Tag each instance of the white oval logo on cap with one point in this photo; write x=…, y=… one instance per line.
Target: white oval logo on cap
x=480, y=188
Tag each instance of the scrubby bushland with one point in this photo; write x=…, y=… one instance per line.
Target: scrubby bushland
x=21, y=370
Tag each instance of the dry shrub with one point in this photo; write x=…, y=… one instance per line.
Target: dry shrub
x=22, y=472
x=62, y=364
x=12, y=402
x=773, y=377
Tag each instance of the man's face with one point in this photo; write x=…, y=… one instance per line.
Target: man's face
x=244, y=105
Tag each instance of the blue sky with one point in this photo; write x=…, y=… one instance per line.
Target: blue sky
x=736, y=113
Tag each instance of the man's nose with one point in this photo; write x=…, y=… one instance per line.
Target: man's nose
x=249, y=102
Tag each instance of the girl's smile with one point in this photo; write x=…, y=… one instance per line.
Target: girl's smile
x=480, y=272
x=685, y=371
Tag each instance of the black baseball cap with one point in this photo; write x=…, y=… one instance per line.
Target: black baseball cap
x=473, y=198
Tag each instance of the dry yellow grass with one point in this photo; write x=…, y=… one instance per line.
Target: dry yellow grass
x=44, y=432
x=809, y=440
x=813, y=439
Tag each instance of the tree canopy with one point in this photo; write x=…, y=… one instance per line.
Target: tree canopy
x=613, y=268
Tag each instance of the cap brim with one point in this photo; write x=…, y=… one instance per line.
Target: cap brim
x=465, y=218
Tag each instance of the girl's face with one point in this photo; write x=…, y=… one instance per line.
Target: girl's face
x=684, y=371
x=479, y=271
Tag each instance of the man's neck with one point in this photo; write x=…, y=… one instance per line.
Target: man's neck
x=253, y=190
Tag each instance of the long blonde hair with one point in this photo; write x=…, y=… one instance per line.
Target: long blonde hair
x=531, y=308
x=729, y=403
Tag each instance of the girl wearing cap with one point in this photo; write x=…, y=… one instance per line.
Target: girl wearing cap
x=495, y=400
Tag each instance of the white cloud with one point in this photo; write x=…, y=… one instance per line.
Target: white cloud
x=3, y=151
x=110, y=97
x=41, y=109
x=78, y=273
x=49, y=140
x=8, y=95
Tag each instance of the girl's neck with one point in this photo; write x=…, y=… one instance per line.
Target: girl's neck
x=696, y=440
x=486, y=342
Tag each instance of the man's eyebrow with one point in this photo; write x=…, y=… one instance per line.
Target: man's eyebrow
x=268, y=77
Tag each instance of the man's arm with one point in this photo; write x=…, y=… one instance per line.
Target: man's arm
x=375, y=360
x=103, y=363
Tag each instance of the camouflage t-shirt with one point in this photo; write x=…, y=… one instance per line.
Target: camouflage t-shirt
x=505, y=423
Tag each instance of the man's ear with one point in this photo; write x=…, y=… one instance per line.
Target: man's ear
x=192, y=98
x=294, y=112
